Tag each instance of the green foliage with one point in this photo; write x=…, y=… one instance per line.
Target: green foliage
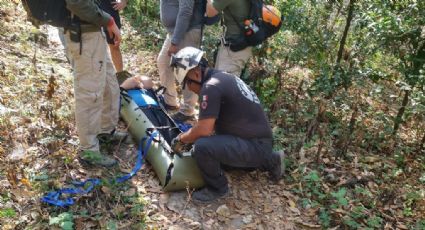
x=410, y=200
x=340, y=196
x=358, y=212
x=65, y=220
x=324, y=218
x=7, y=213
x=268, y=91
x=143, y=15
x=350, y=222
x=400, y=159
x=374, y=222
x=420, y=224
x=4, y=197
x=142, y=11
x=312, y=177
x=313, y=184
x=111, y=225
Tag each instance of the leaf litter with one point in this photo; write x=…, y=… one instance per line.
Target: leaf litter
x=38, y=152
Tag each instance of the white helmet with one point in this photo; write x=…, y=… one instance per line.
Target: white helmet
x=185, y=60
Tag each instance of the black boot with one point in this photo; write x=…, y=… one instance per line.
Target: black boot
x=277, y=168
x=207, y=195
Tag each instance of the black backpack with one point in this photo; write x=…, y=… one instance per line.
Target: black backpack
x=255, y=30
x=52, y=12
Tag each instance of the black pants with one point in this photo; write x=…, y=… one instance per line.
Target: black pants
x=211, y=152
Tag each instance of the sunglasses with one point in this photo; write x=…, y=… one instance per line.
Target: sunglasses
x=189, y=81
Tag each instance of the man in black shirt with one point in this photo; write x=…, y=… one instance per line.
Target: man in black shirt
x=228, y=107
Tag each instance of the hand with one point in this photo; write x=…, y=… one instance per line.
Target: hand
x=114, y=32
x=119, y=5
x=172, y=49
x=178, y=146
x=211, y=11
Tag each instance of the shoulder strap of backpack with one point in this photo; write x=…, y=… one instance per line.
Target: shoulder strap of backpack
x=204, y=11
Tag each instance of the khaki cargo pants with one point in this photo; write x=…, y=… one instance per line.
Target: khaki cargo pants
x=166, y=75
x=232, y=62
x=96, y=89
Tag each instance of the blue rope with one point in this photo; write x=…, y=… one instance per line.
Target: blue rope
x=140, y=155
x=53, y=198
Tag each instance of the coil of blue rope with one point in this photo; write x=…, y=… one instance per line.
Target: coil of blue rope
x=85, y=187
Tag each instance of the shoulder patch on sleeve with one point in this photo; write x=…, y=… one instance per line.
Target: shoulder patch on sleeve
x=204, y=102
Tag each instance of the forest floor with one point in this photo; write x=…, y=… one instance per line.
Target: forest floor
x=38, y=149
x=38, y=152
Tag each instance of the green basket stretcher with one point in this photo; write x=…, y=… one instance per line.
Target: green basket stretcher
x=143, y=113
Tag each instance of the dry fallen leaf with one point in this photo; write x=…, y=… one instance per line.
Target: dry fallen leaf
x=247, y=219
x=11, y=177
x=267, y=208
x=223, y=210
x=130, y=192
x=106, y=190
x=291, y=203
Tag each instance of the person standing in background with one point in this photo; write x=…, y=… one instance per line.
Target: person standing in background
x=112, y=7
x=183, y=20
x=233, y=12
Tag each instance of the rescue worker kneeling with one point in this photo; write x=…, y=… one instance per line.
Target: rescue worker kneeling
x=232, y=129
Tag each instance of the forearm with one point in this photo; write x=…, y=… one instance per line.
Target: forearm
x=183, y=20
x=194, y=134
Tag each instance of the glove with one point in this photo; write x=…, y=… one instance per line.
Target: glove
x=178, y=147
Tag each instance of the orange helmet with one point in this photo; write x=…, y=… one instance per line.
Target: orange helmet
x=271, y=15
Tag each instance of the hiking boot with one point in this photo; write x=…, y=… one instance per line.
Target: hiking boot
x=278, y=166
x=180, y=117
x=207, y=195
x=115, y=137
x=122, y=76
x=96, y=158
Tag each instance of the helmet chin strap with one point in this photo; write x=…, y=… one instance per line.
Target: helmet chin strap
x=203, y=75
x=203, y=64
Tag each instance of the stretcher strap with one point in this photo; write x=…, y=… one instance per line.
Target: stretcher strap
x=85, y=187
x=184, y=127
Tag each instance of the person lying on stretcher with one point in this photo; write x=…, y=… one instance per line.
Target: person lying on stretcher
x=137, y=82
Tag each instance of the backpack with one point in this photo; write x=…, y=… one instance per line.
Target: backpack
x=52, y=12
x=263, y=21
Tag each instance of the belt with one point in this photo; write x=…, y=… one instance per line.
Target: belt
x=86, y=28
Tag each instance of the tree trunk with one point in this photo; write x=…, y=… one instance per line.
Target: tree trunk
x=422, y=144
x=346, y=138
x=346, y=29
x=296, y=106
x=399, y=118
